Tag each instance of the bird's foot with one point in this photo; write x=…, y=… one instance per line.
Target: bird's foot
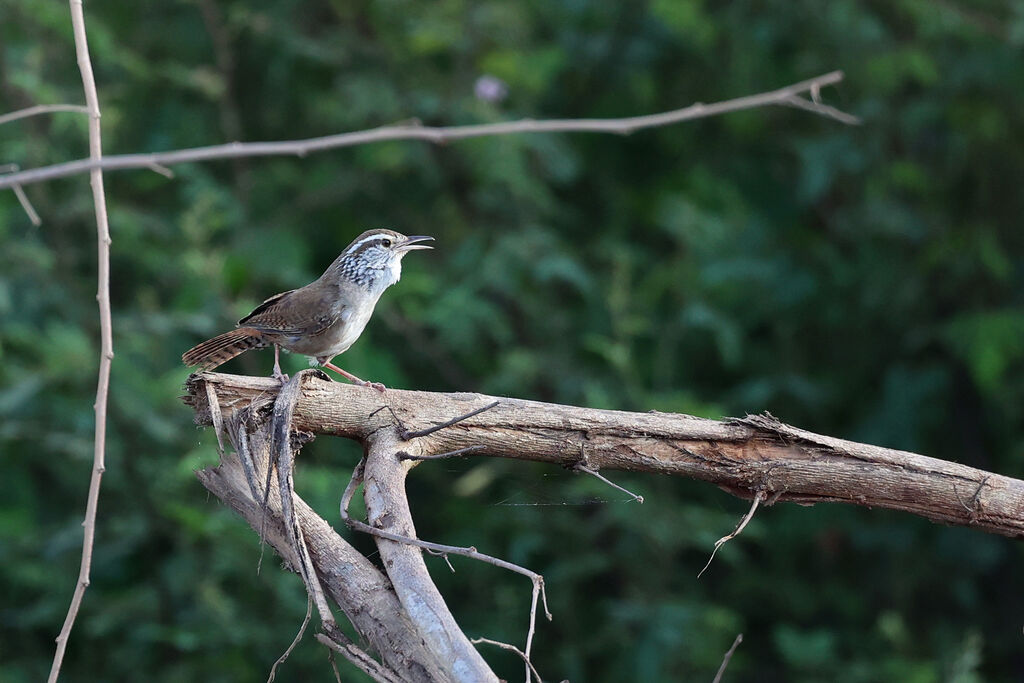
x=373, y=385
x=355, y=380
x=278, y=375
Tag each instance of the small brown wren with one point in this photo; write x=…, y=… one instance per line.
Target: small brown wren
x=323, y=318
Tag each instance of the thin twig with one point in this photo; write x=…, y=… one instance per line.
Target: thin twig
x=295, y=641
x=334, y=664
x=161, y=169
x=531, y=669
x=539, y=593
x=758, y=497
x=443, y=556
x=442, y=549
x=340, y=643
x=825, y=110
x=594, y=473
x=974, y=509
x=441, y=456
x=407, y=435
x=350, y=489
x=42, y=109
x=726, y=658
x=437, y=134
x=22, y=197
x=106, y=329
x=27, y=206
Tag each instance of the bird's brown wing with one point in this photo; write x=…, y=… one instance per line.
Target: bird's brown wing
x=281, y=315
x=270, y=307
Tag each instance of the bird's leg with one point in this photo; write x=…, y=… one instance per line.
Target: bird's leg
x=278, y=375
x=352, y=378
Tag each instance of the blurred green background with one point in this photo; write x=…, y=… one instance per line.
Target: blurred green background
x=863, y=282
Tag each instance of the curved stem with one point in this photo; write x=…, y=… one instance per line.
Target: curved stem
x=106, y=331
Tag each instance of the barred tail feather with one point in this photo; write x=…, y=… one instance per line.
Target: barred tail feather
x=223, y=347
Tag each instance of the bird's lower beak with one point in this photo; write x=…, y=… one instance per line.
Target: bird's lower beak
x=413, y=242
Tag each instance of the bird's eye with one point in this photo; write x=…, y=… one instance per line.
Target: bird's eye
x=386, y=242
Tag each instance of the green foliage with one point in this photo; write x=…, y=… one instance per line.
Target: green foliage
x=862, y=282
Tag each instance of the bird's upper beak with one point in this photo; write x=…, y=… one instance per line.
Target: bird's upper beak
x=413, y=242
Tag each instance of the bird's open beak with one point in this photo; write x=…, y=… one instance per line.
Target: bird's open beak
x=413, y=242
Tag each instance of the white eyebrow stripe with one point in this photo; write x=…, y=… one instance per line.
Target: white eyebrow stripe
x=355, y=245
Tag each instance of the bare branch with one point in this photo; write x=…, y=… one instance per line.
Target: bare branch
x=581, y=467
x=354, y=654
x=387, y=507
x=531, y=670
x=742, y=456
x=439, y=134
x=815, y=105
x=27, y=206
x=442, y=550
x=162, y=170
x=106, y=330
x=362, y=592
x=539, y=592
x=42, y=109
x=22, y=197
x=727, y=658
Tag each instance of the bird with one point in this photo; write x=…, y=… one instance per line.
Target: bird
x=324, y=318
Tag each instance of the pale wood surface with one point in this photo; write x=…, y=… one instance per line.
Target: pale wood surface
x=742, y=456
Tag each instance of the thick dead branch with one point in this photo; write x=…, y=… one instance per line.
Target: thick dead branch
x=743, y=456
x=790, y=95
x=388, y=509
x=363, y=593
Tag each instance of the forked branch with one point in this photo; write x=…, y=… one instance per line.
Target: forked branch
x=756, y=456
x=359, y=589
x=742, y=456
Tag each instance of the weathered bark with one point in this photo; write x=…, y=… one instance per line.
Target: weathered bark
x=743, y=456
x=364, y=594
x=387, y=508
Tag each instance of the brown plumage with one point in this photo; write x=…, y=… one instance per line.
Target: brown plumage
x=323, y=318
x=223, y=347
